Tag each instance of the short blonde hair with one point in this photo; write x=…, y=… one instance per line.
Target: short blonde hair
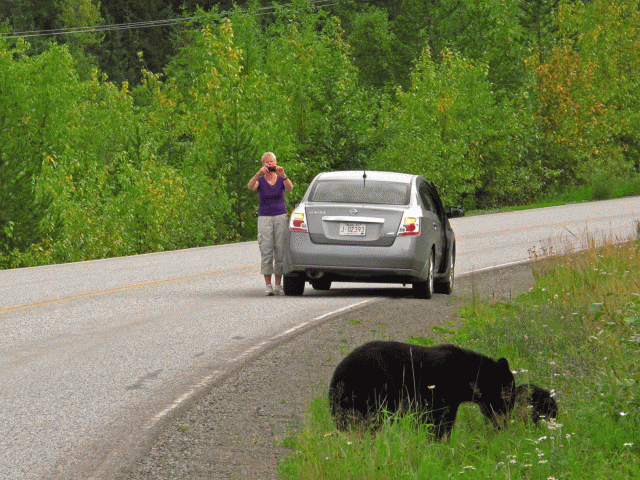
x=268, y=154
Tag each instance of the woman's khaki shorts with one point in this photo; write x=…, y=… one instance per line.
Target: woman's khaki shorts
x=271, y=231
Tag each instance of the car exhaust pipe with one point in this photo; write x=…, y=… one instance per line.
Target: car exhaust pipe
x=315, y=275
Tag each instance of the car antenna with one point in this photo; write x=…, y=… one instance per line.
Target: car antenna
x=364, y=179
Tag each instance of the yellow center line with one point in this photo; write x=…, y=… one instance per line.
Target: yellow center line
x=122, y=288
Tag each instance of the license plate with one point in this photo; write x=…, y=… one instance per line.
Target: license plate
x=353, y=228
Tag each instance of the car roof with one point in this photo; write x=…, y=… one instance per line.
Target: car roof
x=371, y=175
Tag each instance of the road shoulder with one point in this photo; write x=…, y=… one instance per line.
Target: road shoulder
x=235, y=428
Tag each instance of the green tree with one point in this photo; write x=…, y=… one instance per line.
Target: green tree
x=123, y=192
x=222, y=112
x=606, y=33
x=37, y=94
x=489, y=31
x=373, y=48
x=586, y=112
x=30, y=16
x=441, y=124
x=117, y=55
x=538, y=19
x=75, y=14
x=328, y=113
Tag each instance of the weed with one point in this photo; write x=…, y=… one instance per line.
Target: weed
x=442, y=330
x=422, y=341
x=576, y=333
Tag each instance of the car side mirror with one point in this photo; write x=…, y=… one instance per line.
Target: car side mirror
x=454, y=212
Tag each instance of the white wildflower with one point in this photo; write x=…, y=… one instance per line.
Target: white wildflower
x=552, y=425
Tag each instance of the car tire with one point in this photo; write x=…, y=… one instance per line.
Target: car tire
x=293, y=286
x=321, y=284
x=426, y=289
x=445, y=285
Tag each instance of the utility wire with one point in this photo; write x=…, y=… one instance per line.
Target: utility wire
x=137, y=25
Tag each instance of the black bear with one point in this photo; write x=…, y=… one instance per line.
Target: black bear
x=535, y=402
x=433, y=381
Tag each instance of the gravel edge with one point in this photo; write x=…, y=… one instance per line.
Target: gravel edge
x=235, y=427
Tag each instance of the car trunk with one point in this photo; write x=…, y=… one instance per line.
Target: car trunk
x=353, y=224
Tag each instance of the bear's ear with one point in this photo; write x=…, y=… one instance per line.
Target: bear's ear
x=503, y=363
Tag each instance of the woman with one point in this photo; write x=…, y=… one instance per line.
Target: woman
x=271, y=183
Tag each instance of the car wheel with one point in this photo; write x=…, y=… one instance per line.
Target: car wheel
x=445, y=285
x=321, y=284
x=425, y=289
x=293, y=286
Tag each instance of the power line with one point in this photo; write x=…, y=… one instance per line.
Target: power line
x=138, y=25
x=97, y=28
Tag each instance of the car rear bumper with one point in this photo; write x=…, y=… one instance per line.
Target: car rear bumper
x=403, y=261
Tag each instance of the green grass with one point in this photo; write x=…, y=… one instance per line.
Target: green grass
x=577, y=333
x=601, y=188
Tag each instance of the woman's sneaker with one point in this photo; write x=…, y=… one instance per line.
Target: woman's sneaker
x=278, y=290
x=268, y=290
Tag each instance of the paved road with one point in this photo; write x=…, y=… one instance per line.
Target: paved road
x=94, y=355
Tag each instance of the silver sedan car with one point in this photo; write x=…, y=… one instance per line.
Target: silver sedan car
x=364, y=226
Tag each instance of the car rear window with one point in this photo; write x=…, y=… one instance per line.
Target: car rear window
x=357, y=191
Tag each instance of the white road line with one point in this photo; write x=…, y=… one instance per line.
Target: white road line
x=206, y=380
x=343, y=309
x=183, y=398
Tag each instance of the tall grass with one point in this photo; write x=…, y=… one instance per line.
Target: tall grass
x=576, y=333
x=600, y=188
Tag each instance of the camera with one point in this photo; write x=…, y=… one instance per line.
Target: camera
x=271, y=169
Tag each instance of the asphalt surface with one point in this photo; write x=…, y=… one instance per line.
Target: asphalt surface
x=235, y=428
x=87, y=375
x=96, y=356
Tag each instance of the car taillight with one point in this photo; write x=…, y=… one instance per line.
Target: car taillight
x=409, y=226
x=298, y=222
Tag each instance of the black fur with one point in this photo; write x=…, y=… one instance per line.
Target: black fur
x=535, y=402
x=432, y=381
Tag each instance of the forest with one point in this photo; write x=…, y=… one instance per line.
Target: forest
x=133, y=126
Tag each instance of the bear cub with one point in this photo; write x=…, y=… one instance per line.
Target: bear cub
x=535, y=402
x=432, y=381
